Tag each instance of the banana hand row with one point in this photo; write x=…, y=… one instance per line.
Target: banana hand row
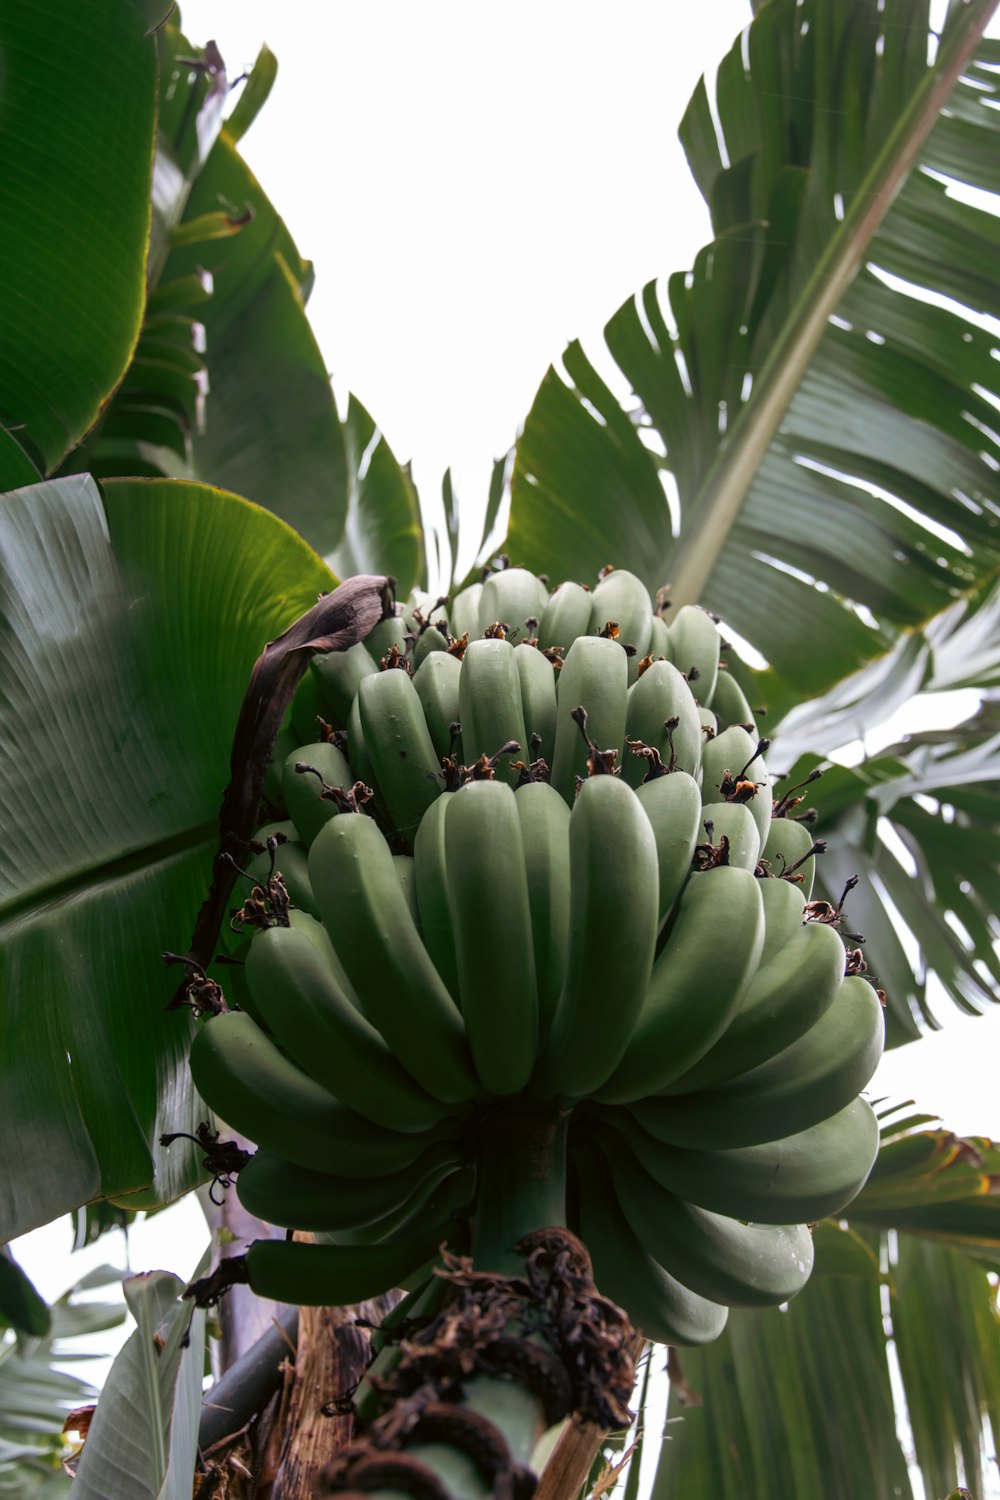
x=510, y=663
x=529, y=945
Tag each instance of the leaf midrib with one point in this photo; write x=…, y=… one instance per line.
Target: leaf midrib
x=723, y=491
x=109, y=871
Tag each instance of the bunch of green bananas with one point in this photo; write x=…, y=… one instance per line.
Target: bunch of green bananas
x=577, y=894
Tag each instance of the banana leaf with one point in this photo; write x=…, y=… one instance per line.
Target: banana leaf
x=384, y=530
x=800, y=434
x=130, y=623
x=75, y=209
x=21, y=1305
x=919, y=825
x=887, y=1361
x=144, y=1435
x=227, y=384
x=37, y=1391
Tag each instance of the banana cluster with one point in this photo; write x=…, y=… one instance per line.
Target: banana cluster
x=578, y=892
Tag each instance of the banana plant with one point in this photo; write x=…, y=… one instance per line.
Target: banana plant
x=807, y=449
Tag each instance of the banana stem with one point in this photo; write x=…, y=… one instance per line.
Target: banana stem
x=522, y=1341
x=521, y=1183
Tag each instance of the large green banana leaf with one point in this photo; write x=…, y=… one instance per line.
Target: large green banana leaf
x=129, y=624
x=384, y=530
x=926, y=898
x=77, y=121
x=799, y=432
x=800, y=1401
x=227, y=384
x=145, y=1429
x=959, y=648
x=920, y=826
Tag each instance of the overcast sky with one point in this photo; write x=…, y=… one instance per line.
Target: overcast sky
x=476, y=185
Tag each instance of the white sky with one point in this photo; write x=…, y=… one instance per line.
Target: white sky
x=477, y=185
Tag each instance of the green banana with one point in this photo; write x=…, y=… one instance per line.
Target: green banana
x=658, y=1305
x=614, y=914
x=709, y=724
x=290, y=862
x=798, y=1178
x=429, y=637
x=730, y=706
x=422, y=604
x=306, y=709
x=448, y=1195
x=315, y=1023
x=565, y=616
x=231, y=960
x=694, y=644
x=338, y=676
x=436, y=683
x=303, y=789
x=788, y=996
x=594, y=676
x=446, y=1192
x=382, y=637
x=321, y=1031
x=369, y=1150
x=400, y=746
x=723, y=760
x=284, y=828
x=788, y=846
x=659, y=639
x=735, y=823
x=734, y=1264
x=661, y=713
x=341, y=1275
x=511, y=598
x=431, y=884
x=381, y=949
x=285, y=742
x=406, y=874
x=319, y=937
x=538, y=702
x=357, y=750
x=814, y=1078
x=491, y=920
x=282, y=1192
x=463, y=615
x=545, y=820
x=254, y=1088
x=673, y=806
x=783, y=915
x=622, y=598
x=489, y=697
x=698, y=982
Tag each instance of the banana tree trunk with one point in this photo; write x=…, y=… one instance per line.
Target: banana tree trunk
x=332, y=1351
